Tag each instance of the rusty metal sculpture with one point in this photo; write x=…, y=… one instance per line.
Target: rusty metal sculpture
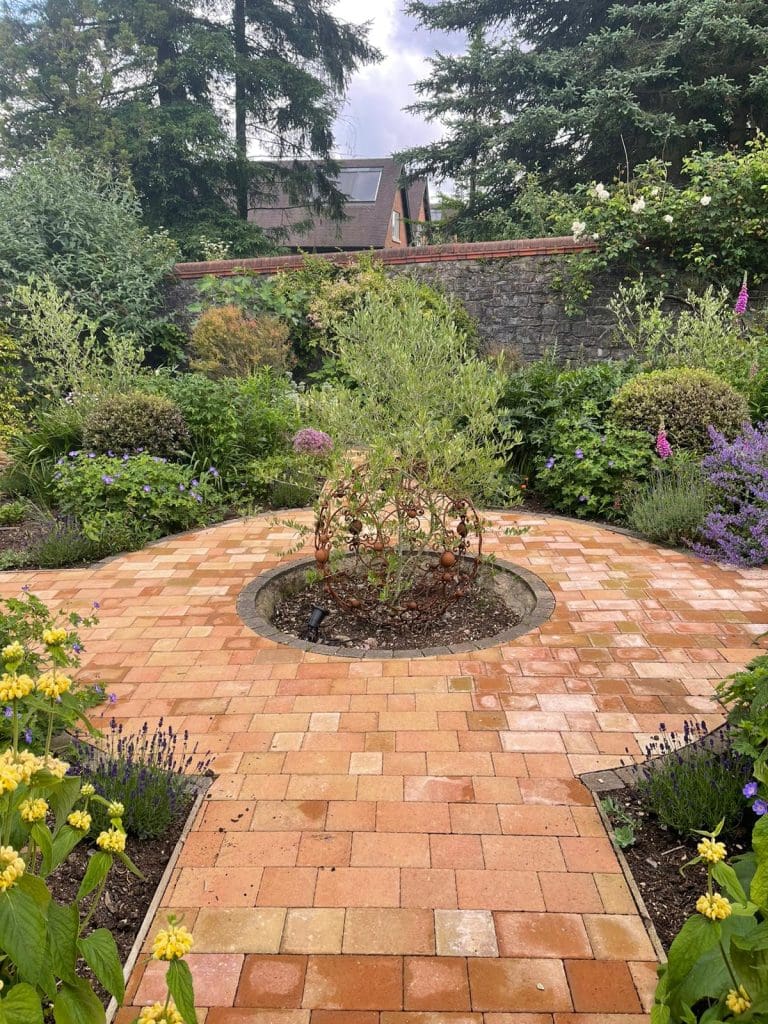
x=389, y=547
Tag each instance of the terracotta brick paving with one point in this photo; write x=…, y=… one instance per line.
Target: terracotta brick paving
x=406, y=842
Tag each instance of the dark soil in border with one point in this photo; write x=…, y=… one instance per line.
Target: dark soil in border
x=127, y=898
x=655, y=860
x=482, y=613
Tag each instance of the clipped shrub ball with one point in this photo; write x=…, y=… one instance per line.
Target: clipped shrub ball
x=127, y=423
x=227, y=343
x=686, y=402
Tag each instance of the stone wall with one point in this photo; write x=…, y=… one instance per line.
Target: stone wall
x=506, y=286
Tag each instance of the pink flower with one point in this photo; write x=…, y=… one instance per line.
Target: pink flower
x=312, y=442
x=743, y=300
x=663, y=447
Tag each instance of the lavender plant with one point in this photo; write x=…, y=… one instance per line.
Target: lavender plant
x=692, y=789
x=147, y=772
x=736, y=530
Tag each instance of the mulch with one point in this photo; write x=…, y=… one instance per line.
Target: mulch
x=480, y=614
x=655, y=861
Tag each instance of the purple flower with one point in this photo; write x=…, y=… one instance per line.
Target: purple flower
x=73, y=455
x=312, y=442
x=182, y=487
x=111, y=455
x=195, y=483
x=146, y=488
x=550, y=462
x=663, y=447
x=96, y=605
x=107, y=479
x=27, y=736
x=126, y=457
x=98, y=690
x=582, y=497
x=77, y=648
x=112, y=698
x=750, y=789
x=198, y=497
x=743, y=300
x=91, y=455
x=579, y=453
x=8, y=712
x=214, y=472
x=760, y=807
x=25, y=588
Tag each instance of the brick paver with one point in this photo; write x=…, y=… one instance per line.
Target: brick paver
x=407, y=842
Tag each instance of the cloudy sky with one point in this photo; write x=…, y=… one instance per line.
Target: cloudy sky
x=373, y=122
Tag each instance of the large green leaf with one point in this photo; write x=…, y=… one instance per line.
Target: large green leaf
x=22, y=932
x=41, y=834
x=63, y=798
x=660, y=1015
x=63, y=927
x=77, y=1004
x=179, y=980
x=99, y=950
x=758, y=891
x=695, y=938
x=728, y=880
x=66, y=840
x=97, y=870
x=21, y=1006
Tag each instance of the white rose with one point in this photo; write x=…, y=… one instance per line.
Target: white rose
x=595, y=237
x=705, y=200
x=638, y=206
x=655, y=192
x=578, y=229
x=668, y=218
x=601, y=192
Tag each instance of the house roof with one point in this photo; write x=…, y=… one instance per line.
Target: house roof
x=367, y=223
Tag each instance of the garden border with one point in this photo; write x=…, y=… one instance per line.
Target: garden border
x=202, y=784
x=246, y=608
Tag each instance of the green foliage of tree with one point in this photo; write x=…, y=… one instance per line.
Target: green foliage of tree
x=155, y=86
x=70, y=219
x=579, y=89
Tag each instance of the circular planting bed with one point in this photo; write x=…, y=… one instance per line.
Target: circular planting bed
x=505, y=602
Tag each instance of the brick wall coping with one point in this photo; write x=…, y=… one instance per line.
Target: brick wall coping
x=457, y=251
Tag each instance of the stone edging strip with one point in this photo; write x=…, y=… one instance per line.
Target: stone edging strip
x=246, y=609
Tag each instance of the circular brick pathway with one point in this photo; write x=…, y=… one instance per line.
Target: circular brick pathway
x=406, y=842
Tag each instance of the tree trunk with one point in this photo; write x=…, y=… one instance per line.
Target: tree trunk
x=241, y=130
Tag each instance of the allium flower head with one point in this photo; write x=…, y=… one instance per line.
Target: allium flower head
x=312, y=442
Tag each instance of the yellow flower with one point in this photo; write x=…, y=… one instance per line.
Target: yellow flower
x=81, y=820
x=711, y=852
x=113, y=841
x=14, y=653
x=10, y=776
x=738, y=1002
x=33, y=810
x=12, y=867
x=715, y=907
x=54, y=766
x=172, y=943
x=158, y=1013
x=115, y=809
x=87, y=789
x=25, y=763
x=13, y=687
x=54, y=637
x=53, y=685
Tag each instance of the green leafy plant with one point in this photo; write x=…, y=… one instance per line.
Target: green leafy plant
x=589, y=464
x=64, y=214
x=716, y=964
x=135, y=421
x=12, y=513
x=421, y=393
x=624, y=832
x=55, y=428
x=70, y=355
x=672, y=506
x=745, y=694
x=141, y=497
x=692, y=789
x=227, y=343
x=685, y=402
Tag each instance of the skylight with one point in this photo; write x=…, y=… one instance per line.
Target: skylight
x=360, y=184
